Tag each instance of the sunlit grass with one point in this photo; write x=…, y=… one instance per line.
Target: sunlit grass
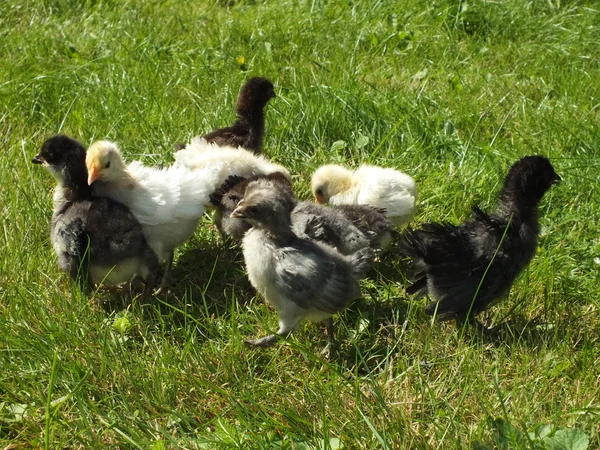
x=450, y=92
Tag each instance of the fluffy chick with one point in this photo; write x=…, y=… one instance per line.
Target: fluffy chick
x=97, y=240
x=247, y=131
x=225, y=161
x=466, y=268
x=300, y=278
x=380, y=187
x=230, y=193
x=167, y=202
x=348, y=228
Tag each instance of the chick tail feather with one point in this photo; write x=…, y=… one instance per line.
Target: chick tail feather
x=80, y=263
x=409, y=244
x=199, y=144
x=361, y=261
x=418, y=287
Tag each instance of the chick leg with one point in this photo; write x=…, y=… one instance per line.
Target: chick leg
x=149, y=286
x=148, y=273
x=480, y=328
x=326, y=352
x=287, y=324
x=264, y=342
x=165, y=278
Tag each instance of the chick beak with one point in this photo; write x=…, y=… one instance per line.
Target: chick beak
x=93, y=174
x=238, y=213
x=319, y=200
x=556, y=179
x=38, y=159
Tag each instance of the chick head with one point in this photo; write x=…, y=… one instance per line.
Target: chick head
x=104, y=161
x=529, y=178
x=265, y=205
x=63, y=157
x=330, y=180
x=256, y=93
x=229, y=194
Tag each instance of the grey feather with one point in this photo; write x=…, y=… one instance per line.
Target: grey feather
x=300, y=278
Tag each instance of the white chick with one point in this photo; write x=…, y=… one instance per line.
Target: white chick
x=379, y=187
x=225, y=161
x=168, y=203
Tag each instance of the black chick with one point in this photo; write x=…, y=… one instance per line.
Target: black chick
x=300, y=278
x=247, y=131
x=96, y=239
x=466, y=268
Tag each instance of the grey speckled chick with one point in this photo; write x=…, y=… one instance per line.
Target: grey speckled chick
x=300, y=278
x=230, y=193
x=97, y=240
x=467, y=268
x=348, y=228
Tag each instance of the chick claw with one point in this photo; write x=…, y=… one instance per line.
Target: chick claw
x=264, y=342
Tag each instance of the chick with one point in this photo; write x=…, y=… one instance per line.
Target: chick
x=345, y=227
x=300, y=278
x=225, y=161
x=333, y=226
x=329, y=226
x=247, y=131
x=379, y=187
x=167, y=202
x=97, y=240
x=372, y=221
x=466, y=268
x=230, y=193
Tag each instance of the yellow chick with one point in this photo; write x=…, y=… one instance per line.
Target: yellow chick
x=390, y=189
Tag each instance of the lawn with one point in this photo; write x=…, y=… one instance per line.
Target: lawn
x=451, y=92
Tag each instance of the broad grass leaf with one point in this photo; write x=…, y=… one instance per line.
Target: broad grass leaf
x=338, y=145
x=507, y=435
x=568, y=439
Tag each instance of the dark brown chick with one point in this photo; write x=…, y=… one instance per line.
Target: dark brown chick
x=248, y=130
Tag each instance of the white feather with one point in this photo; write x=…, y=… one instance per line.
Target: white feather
x=224, y=161
x=168, y=203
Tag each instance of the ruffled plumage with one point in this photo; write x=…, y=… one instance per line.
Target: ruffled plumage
x=225, y=161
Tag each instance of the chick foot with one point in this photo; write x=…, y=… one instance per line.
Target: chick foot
x=164, y=282
x=491, y=333
x=330, y=347
x=264, y=342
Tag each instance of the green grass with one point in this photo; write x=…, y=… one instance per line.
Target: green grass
x=452, y=92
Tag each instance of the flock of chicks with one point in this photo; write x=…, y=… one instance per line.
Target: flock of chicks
x=114, y=222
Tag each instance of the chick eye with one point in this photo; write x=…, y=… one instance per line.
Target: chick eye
x=253, y=209
x=319, y=192
x=107, y=165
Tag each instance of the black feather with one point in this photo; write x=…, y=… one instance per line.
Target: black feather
x=89, y=232
x=467, y=268
x=247, y=131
